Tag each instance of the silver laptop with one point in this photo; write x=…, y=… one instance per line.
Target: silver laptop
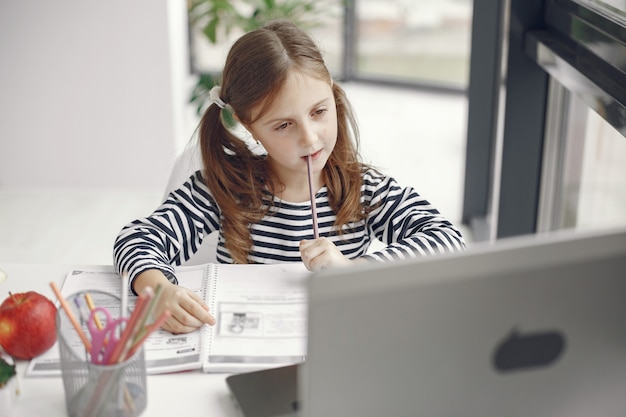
x=528, y=326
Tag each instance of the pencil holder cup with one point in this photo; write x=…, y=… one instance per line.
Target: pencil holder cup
x=93, y=390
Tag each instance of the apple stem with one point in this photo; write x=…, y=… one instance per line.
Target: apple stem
x=13, y=297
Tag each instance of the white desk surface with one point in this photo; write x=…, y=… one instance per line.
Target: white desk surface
x=189, y=393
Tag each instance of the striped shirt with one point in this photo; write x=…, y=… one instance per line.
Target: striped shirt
x=404, y=221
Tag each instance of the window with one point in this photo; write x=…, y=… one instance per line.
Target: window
x=412, y=42
x=584, y=174
x=425, y=42
x=602, y=191
x=547, y=98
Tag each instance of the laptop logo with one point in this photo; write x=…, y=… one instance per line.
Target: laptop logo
x=524, y=351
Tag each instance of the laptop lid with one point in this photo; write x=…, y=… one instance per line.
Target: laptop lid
x=528, y=326
x=266, y=393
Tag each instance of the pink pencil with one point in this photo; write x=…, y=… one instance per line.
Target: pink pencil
x=121, y=349
x=148, y=331
x=312, y=192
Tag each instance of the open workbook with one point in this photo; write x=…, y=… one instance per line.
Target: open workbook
x=260, y=312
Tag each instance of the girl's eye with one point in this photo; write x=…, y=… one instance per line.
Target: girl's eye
x=282, y=126
x=320, y=112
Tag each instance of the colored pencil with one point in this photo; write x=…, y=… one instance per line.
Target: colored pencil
x=312, y=193
x=92, y=307
x=148, y=331
x=68, y=311
x=141, y=306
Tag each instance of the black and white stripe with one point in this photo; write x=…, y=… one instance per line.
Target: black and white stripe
x=402, y=219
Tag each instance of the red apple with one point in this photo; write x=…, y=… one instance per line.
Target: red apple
x=27, y=324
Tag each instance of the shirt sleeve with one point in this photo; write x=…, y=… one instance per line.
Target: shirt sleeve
x=406, y=222
x=171, y=234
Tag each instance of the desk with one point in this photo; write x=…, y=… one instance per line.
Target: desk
x=189, y=393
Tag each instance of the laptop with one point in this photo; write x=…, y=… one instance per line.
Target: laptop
x=266, y=393
x=532, y=325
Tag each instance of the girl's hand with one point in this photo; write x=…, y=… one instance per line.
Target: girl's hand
x=189, y=312
x=321, y=253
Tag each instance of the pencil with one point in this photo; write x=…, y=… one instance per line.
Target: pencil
x=312, y=192
x=148, y=331
x=68, y=311
x=122, y=347
x=143, y=325
x=124, y=295
x=92, y=307
x=79, y=308
x=128, y=399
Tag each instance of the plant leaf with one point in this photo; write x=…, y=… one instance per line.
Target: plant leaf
x=6, y=372
x=210, y=30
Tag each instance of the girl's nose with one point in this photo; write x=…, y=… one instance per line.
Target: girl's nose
x=308, y=136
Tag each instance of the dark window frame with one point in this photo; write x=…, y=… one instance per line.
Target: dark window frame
x=504, y=151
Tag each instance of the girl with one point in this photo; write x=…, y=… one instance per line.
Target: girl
x=276, y=85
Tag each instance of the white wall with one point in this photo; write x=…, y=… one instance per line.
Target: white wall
x=89, y=96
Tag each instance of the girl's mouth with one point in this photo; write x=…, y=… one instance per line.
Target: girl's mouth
x=313, y=156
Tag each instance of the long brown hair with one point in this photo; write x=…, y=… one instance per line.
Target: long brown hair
x=240, y=180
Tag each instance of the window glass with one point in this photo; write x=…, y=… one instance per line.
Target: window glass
x=419, y=41
x=602, y=192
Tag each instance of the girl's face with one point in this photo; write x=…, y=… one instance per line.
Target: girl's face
x=301, y=121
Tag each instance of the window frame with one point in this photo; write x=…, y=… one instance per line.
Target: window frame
x=535, y=44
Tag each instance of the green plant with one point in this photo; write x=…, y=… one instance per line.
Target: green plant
x=218, y=18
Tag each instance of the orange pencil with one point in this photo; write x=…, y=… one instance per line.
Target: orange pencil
x=68, y=310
